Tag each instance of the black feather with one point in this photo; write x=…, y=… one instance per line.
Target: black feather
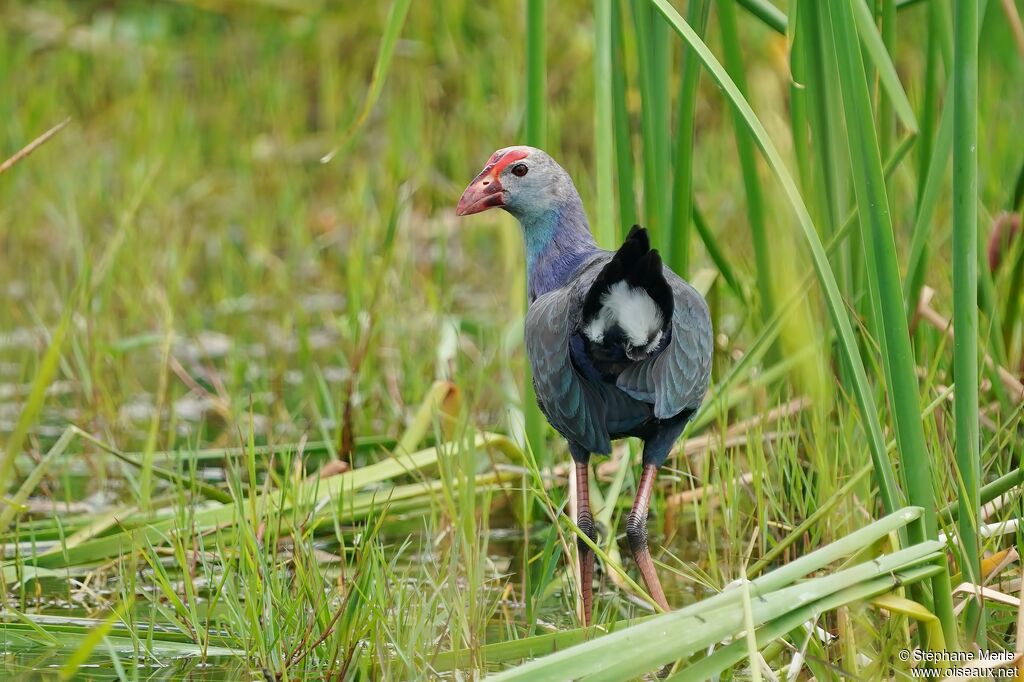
x=648, y=274
x=616, y=270
x=638, y=264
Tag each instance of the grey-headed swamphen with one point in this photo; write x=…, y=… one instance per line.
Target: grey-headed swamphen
x=619, y=344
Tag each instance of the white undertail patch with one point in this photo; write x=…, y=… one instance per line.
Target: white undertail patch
x=633, y=310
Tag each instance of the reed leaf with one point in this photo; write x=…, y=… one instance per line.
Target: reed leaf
x=731, y=654
x=707, y=623
x=773, y=581
x=44, y=632
x=770, y=15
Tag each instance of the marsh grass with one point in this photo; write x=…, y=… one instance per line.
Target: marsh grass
x=261, y=397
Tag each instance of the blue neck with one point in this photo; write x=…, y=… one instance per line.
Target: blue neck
x=558, y=242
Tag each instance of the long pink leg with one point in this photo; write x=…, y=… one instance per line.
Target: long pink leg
x=636, y=534
x=585, y=521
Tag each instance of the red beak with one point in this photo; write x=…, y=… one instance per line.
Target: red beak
x=483, y=193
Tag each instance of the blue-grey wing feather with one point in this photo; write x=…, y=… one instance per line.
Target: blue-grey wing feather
x=677, y=378
x=573, y=405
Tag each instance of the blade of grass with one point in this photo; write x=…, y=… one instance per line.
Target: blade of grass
x=929, y=101
x=715, y=252
x=536, y=135
x=930, y=191
x=987, y=493
x=48, y=366
x=536, y=76
x=392, y=31
x=342, y=487
x=527, y=647
x=1017, y=199
x=56, y=632
x=753, y=656
x=936, y=139
x=12, y=506
x=183, y=482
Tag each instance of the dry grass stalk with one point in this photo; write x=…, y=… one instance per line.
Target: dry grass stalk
x=32, y=146
x=707, y=491
x=925, y=312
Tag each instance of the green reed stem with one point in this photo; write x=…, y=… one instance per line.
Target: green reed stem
x=536, y=134
x=603, y=126
x=697, y=13
x=965, y=294
x=661, y=86
x=824, y=109
x=880, y=252
x=798, y=105
x=886, y=111
x=536, y=78
x=623, y=134
x=929, y=102
x=748, y=161
x=649, y=120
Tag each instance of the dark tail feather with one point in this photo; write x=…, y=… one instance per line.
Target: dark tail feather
x=638, y=264
x=649, y=275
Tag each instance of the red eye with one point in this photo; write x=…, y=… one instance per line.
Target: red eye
x=519, y=170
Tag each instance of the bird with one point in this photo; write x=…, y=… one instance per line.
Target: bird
x=619, y=345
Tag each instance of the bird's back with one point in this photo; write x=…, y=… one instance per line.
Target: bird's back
x=625, y=344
